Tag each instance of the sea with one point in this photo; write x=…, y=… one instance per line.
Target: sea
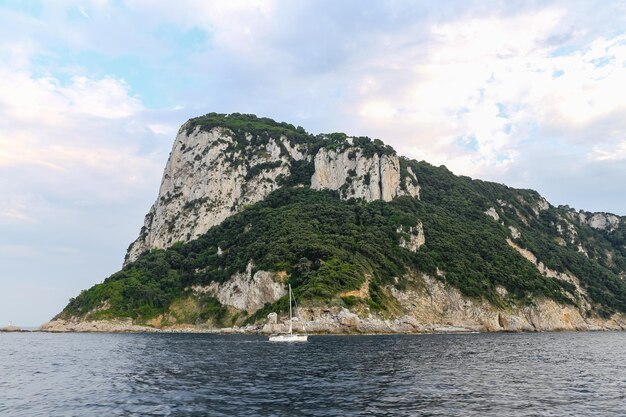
x=525, y=374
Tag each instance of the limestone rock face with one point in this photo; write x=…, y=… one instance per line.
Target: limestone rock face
x=205, y=182
x=272, y=318
x=246, y=291
x=540, y=205
x=491, y=212
x=211, y=175
x=602, y=221
x=357, y=176
x=415, y=237
x=599, y=221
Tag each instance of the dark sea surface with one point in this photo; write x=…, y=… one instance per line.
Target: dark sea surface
x=544, y=374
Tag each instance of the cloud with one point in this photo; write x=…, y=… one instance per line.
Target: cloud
x=14, y=209
x=468, y=85
x=79, y=165
x=80, y=139
x=484, y=88
x=464, y=84
x=25, y=97
x=614, y=153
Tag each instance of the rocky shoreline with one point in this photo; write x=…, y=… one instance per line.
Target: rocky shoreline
x=13, y=329
x=344, y=322
x=62, y=326
x=433, y=308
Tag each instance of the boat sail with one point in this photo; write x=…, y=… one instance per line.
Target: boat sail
x=289, y=337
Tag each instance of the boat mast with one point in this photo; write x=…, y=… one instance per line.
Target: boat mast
x=290, y=320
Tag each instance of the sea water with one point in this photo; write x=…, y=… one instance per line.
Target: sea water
x=541, y=374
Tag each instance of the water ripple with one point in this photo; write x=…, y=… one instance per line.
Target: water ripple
x=199, y=375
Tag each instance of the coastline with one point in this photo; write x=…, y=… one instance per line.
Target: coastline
x=14, y=329
x=377, y=327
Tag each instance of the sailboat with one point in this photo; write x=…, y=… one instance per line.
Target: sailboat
x=289, y=337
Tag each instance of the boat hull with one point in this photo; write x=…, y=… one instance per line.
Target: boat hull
x=289, y=338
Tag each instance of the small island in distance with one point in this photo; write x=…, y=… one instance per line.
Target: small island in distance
x=370, y=241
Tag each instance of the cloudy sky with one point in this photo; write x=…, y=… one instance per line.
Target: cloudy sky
x=531, y=94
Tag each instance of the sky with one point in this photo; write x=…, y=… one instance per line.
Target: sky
x=92, y=93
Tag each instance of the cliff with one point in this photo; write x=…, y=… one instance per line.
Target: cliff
x=214, y=172
x=370, y=241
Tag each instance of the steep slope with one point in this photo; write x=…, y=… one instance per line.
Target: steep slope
x=220, y=164
x=370, y=242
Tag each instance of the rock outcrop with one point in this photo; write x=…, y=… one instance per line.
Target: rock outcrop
x=412, y=238
x=96, y=326
x=246, y=291
x=602, y=221
x=11, y=329
x=357, y=176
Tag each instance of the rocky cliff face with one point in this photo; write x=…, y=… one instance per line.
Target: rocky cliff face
x=211, y=175
x=205, y=182
x=246, y=291
x=600, y=221
x=359, y=176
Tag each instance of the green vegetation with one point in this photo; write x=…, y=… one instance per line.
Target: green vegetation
x=327, y=246
x=255, y=170
x=301, y=173
x=371, y=147
x=242, y=124
x=447, y=192
x=250, y=130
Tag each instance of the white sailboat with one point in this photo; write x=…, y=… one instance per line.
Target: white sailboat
x=289, y=337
